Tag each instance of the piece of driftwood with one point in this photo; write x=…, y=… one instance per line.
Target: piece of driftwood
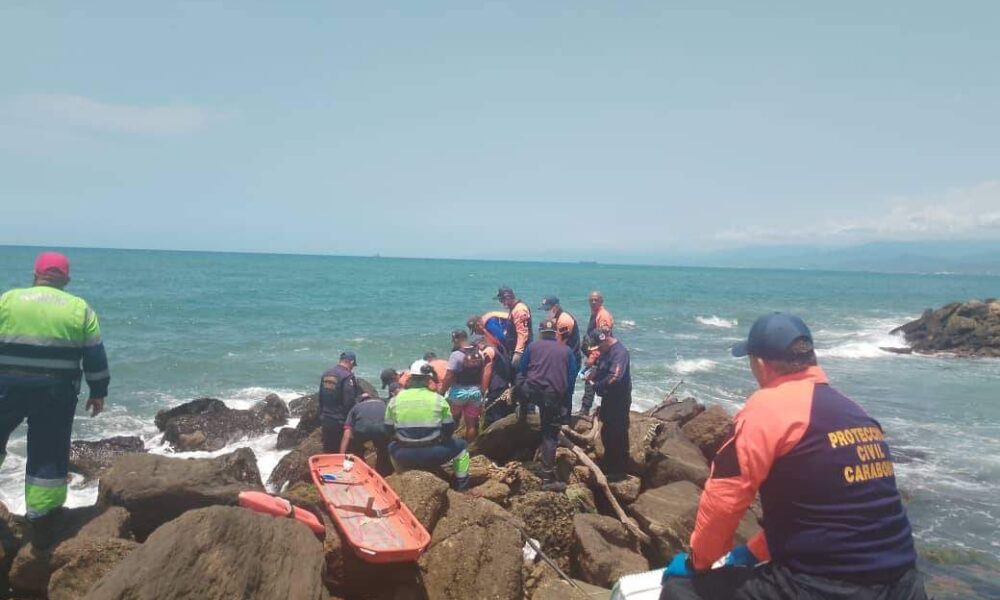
x=668, y=399
x=584, y=439
x=602, y=482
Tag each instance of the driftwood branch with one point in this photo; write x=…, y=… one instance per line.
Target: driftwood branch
x=584, y=439
x=602, y=482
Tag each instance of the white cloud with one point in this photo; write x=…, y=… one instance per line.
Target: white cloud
x=81, y=113
x=966, y=213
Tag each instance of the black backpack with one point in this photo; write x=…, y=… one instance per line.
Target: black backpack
x=473, y=362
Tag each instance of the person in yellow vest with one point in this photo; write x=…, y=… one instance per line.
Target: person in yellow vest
x=45, y=335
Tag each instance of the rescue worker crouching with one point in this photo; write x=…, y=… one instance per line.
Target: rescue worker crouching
x=365, y=422
x=465, y=382
x=546, y=379
x=827, y=532
x=45, y=335
x=420, y=423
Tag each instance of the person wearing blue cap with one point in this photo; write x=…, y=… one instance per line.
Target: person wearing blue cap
x=338, y=392
x=834, y=523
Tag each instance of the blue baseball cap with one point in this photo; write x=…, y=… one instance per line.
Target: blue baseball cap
x=772, y=336
x=549, y=301
x=349, y=356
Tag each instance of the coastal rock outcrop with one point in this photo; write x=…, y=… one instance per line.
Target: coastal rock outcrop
x=604, y=550
x=475, y=552
x=199, y=406
x=709, y=430
x=965, y=328
x=92, y=458
x=294, y=466
x=667, y=515
x=216, y=428
x=157, y=489
x=678, y=412
x=677, y=459
x=548, y=518
x=424, y=493
x=502, y=440
x=79, y=563
x=219, y=553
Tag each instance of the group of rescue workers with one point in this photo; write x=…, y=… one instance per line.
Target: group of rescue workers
x=496, y=368
x=798, y=443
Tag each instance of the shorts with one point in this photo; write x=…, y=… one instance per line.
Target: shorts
x=465, y=400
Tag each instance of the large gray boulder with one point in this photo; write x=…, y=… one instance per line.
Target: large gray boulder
x=709, y=430
x=33, y=566
x=294, y=466
x=548, y=518
x=676, y=459
x=200, y=406
x=425, y=494
x=92, y=458
x=604, y=550
x=79, y=563
x=218, y=428
x=220, y=553
x=475, y=552
x=667, y=514
x=508, y=437
x=157, y=489
x=678, y=412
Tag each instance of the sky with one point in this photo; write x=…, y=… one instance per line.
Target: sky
x=497, y=129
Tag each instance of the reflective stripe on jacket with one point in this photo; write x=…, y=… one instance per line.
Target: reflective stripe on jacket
x=418, y=415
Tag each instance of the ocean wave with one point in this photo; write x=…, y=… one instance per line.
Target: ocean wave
x=715, y=321
x=696, y=365
x=865, y=342
x=625, y=324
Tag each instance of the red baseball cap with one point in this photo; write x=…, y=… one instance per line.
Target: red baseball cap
x=52, y=261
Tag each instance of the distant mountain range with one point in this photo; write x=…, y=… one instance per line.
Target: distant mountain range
x=960, y=257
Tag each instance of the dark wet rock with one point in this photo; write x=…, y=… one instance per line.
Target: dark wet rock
x=218, y=428
x=157, y=489
x=14, y=533
x=201, y=406
x=297, y=406
x=965, y=328
x=502, y=440
x=626, y=491
x=205, y=554
x=709, y=430
x=305, y=495
x=667, y=515
x=678, y=412
x=894, y=350
x=90, y=459
x=604, y=550
x=475, y=552
x=548, y=518
x=294, y=466
x=644, y=434
x=32, y=566
x=676, y=459
x=289, y=437
x=79, y=563
x=424, y=493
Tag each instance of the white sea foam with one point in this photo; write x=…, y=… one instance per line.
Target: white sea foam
x=715, y=321
x=626, y=324
x=865, y=342
x=697, y=365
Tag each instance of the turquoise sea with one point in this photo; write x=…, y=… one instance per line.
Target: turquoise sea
x=179, y=325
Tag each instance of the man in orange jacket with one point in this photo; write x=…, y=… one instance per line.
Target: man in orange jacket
x=520, y=321
x=834, y=523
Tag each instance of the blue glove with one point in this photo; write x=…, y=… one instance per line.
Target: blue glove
x=740, y=556
x=680, y=566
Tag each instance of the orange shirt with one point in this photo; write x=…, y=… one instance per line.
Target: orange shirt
x=520, y=315
x=440, y=367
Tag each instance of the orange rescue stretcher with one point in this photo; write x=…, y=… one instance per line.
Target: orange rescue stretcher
x=374, y=521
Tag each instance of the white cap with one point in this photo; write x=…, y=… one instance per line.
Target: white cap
x=421, y=368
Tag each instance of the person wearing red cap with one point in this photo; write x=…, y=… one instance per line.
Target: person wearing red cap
x=45, y=335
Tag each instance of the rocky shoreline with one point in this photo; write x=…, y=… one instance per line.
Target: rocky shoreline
x=969, y=328
x=168, y=527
